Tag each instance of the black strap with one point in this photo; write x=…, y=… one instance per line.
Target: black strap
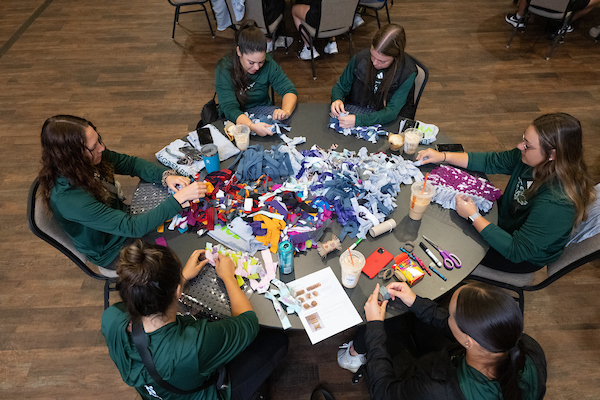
x=141, y=343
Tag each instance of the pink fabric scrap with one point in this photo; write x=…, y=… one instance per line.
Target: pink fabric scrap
x=464, y=182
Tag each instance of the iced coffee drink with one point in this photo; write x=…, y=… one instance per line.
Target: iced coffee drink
x=420, y=199
x=412, y=137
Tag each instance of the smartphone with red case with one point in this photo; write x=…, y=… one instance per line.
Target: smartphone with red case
x=377, y=261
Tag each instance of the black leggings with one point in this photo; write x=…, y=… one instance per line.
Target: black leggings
x=495, y=260
x=407, y=339
x=251, y=368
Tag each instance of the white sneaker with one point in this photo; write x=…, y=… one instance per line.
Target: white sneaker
x=331, y=48
x=358, y=21
x=281, y=41
x=305, y=53
x=269, y=46
x=595, y=31
x=348, y=361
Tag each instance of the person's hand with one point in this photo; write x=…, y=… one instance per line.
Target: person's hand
x=193, y=191
x=337, y=107
x=225, y=268
x=174, y=180
x=374, y=310
x=402, y=291
x=428, y=156
x=348, y=121
x=280, y=114
x=261, y=129
x=194, y=265
x=465, y=206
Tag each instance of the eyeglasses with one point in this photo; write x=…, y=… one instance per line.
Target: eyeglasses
x=526, y=146
x=100, y=143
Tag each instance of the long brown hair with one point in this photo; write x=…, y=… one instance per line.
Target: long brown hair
x=249, y=39
x=493, y=319
x=562, y=133
x=389, y=41
x=63, y=154
x=148, y=278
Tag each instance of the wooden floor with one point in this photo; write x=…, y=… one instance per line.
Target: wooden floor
x=114, y=63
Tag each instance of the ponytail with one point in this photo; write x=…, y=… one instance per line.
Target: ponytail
x=508, y=372
x=148, y=278
x=249, y=39
x=493, y=319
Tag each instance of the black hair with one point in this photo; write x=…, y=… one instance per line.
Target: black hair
x=249, y=39
x=493, y=319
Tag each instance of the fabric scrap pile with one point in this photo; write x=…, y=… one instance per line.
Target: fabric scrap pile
x=357, y=188
x=260, y=276
x=450, y=181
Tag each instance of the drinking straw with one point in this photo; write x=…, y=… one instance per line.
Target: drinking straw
x=350, y=252
x=424, y=183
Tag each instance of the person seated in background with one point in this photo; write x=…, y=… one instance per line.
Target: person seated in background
x=311, y=14
x=380, y=78
x=77, y=184
x=578, y=7
x=475, y=350
x=186, y=352
x=243, y=78
x=272, y=9
x=548, y=193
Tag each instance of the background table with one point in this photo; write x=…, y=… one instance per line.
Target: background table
x=445, y=227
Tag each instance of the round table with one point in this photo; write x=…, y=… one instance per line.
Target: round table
x=445, y=227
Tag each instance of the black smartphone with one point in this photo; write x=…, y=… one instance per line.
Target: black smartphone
x=204, y=136
x=409, y=123
x=451, y=147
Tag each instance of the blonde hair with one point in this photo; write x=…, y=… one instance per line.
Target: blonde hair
x=562, y=133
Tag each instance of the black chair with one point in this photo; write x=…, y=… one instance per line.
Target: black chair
x=376, y=5
x=555, y=10
x=574, y=256
x=44, y=226
x=255, y=10
x=337, y=17
x=180, y=3
x=420, y=81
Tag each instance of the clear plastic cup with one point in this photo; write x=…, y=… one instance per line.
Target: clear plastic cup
x=412, y=137
x=241, y=133
x=420, y=199
x=351, y=267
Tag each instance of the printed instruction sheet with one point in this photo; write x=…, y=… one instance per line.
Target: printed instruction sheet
x=326, y=308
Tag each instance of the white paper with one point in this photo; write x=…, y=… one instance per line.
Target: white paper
x=329, y=311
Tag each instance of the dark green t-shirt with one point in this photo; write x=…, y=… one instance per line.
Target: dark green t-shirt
x=476, y=386
x=257, y=93
x=99, y=230
x=185, y=352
